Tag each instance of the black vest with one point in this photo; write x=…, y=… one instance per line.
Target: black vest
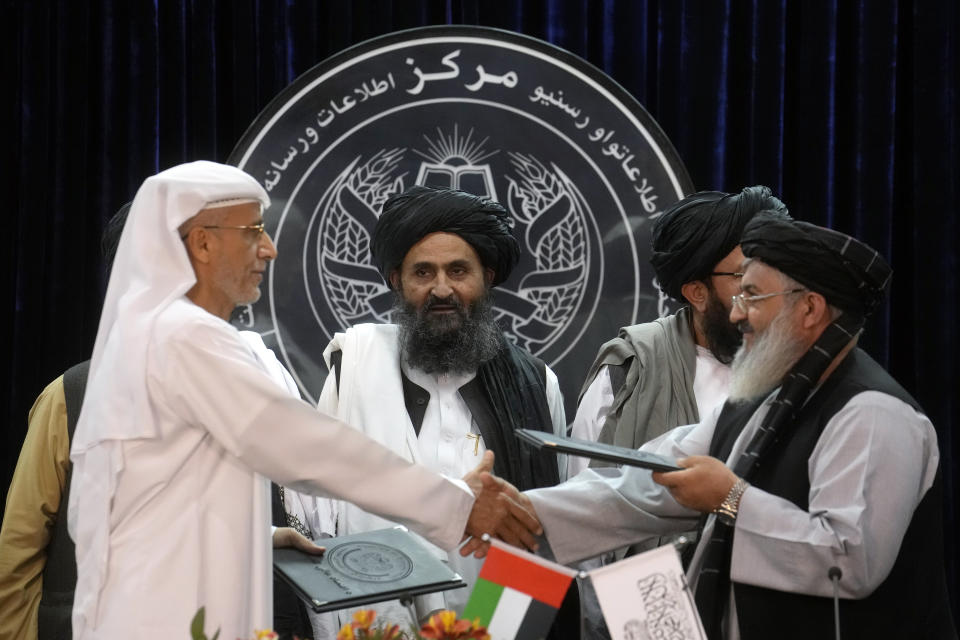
x=912, y=602
x=60, y=570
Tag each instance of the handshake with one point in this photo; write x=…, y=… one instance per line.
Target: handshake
x=499, y=510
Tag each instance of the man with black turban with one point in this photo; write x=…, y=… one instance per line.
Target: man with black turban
x=661, y=374
x=831, y=477
x=457, y=386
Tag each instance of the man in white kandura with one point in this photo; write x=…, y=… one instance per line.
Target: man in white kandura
x=182, y=425
x=444, y=384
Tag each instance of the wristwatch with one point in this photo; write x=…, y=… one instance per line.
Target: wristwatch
x=727, y=511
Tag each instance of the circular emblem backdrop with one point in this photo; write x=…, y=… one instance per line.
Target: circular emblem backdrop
x=579, y=164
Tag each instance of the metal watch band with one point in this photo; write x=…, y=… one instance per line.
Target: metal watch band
x=727, y=511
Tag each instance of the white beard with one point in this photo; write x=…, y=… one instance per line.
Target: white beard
x=760, y=369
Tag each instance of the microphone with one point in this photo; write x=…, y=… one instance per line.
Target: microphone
x=834, y=573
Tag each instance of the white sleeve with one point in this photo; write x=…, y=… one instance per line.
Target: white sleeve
x=591, y=414
x=213, y=381
x=873, y=463
x=558, y=416
x=607, y=508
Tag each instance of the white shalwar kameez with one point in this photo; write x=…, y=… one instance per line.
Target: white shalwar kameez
x=449, y=442
x=180, y=429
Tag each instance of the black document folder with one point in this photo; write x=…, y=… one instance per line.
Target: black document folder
x=363, y=568
x=598, y=450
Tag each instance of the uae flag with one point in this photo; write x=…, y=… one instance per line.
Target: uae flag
x=517, y=594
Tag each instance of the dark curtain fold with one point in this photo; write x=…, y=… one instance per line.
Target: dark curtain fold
x=845, y=108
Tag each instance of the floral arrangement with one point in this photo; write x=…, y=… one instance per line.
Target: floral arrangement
x=446, y=626
x=442, y=626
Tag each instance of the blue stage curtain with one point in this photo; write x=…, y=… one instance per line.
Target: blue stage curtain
x=846, y=109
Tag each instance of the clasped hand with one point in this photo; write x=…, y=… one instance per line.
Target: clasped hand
x=702, y=485
x=499, y=510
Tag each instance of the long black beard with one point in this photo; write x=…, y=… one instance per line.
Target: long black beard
x=456, y=343
x=723, y=338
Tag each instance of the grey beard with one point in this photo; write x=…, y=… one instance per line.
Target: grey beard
x=757, y=372
x=448, y=344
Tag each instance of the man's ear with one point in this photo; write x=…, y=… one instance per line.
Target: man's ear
x=816, y=312
x=488, y=275
x=198, y=244
x=395, y=280
x=695, y=292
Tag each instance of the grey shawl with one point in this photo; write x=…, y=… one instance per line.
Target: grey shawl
x=657, y=394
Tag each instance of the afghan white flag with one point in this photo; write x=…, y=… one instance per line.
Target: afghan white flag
x=646, y=596
x=517, y=594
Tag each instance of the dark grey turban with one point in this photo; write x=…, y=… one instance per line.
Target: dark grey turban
x=410, y=216
x=692, y=236
x=848, y=273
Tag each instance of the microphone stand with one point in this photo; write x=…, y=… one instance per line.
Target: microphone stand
x=834, y=573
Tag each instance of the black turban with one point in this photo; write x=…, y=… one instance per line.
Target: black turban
x=848, y=273
x=410, y=216
x=692, y=236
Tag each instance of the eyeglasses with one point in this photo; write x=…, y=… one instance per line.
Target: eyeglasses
x=732, y=274
x=743, y=303
x=259, y=228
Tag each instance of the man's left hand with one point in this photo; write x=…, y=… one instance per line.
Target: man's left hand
x=289, y=537
x=702, y=485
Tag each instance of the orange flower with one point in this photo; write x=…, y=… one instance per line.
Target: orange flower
x=363, y=619
x=264, y=634
x=445, y=626
x=361, y=628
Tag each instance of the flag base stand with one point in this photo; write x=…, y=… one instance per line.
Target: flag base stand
x=407, y=601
